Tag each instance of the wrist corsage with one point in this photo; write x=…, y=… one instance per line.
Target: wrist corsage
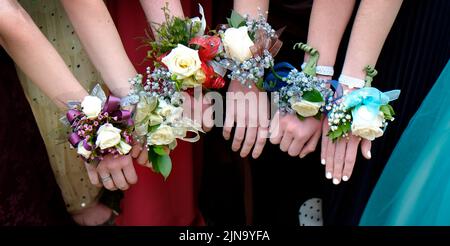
x=363, y=112
x=98, y=126
x=250, y=47
x=187, y=53
x=159, y=120
x=302, y=92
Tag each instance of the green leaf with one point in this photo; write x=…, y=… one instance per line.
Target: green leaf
x=159, y=150
x=161, y=163
x=236, y=20
x=335, y=134
x=153, y=128
x=388, y=111
x=300, y=117
x=165, y=165
x=312, y=96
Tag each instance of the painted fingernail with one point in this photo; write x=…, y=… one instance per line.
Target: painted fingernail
x=369, y=154
x=302, y=155
x=336, y=181
x=323, y=161
x=328, y=175
x=345, y=178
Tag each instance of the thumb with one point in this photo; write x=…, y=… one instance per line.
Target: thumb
x=366, y=145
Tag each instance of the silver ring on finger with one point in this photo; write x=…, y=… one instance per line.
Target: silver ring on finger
x=106, y=179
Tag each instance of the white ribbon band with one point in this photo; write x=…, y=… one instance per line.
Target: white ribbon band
x=351, y=82
x=322, y=70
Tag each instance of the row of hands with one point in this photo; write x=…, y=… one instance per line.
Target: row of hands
x=296, y=137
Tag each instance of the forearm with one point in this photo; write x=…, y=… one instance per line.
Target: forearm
x=154, y=13
x=327, y=24
x=251, y=7
x=372, y=25
x=98, y=34
x=38, y=59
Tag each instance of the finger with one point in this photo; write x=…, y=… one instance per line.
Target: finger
x=208, y=121
x=119, y=179
x=229, y=119
x=286, y=140
x=92, y=174
x=350, y=157
x=261, y=139
x=143, y=157
x=325, y=138
x=311, y=144
x=275, y=130
x=366, y=145
x=239, y=133
x=331, y=147
x=105, y=178
x=295, y=147
x=136, y=150
x=130, y=173
x=338, y=161
x=250, y=138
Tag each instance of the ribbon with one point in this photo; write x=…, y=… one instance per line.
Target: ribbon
x=274, y=79
x=264, y=42
x=370, y=97
x=72, y=114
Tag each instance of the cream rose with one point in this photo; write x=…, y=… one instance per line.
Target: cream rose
x=237, y=43
x=108, y=136
x=91, y=106
x=82, y=151
x=365, y=124
x=306, y=108
x=182, y=61
x=162, y=136
x=123, y=147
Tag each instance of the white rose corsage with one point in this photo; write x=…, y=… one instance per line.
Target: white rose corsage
x=300, y=93
x=159, y=120
x=250, y=46
x=99, y=126
x=364, y=112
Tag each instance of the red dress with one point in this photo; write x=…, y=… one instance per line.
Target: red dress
x=153, y=201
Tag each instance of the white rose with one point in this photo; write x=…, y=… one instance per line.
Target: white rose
x=123, y=147
x=365, y=124
x=108, y=136
x=306, y=108
x=162, y=136
x=170, y=112
x=182, y=61
x=91, y=106
x=237, y=43
x=82, y=151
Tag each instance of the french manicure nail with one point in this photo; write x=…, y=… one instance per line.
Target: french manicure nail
x=345, y=178
x=302, y=155
x=323, y=161
x=336, y=181
x=328, y=175
x=369, y=154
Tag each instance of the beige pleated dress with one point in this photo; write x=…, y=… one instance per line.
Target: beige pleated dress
x=68, y=169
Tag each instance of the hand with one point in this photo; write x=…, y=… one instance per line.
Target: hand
x=340, y=156
x=250, y=111
x=92, y=216
x=140, y=153
x=113, y=172
x=295, y=136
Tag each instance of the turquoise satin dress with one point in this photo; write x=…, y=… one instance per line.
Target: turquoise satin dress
x=414, y=188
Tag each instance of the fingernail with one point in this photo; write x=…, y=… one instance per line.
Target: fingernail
x=369, y=154
x=323, y=162
x=345, y=178
x=328, y=175
x=302, y=155
x=336, y=181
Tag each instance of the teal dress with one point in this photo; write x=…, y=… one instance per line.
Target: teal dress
x=414, y=188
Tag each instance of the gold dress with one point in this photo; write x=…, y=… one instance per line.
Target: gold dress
x=68, y=169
